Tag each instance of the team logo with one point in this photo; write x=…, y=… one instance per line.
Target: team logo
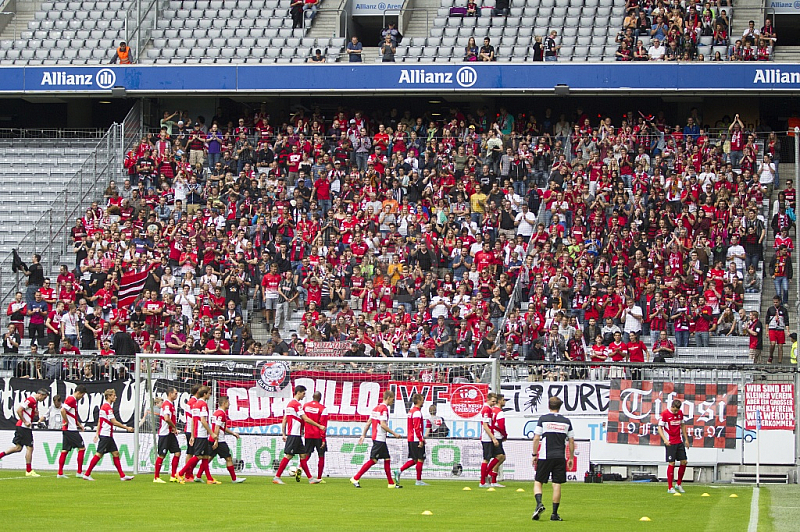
x=273, y=376
x=466, y=77
x=467, y=400
x=105, y=78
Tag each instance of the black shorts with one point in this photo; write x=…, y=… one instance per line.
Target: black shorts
x=415, y=452
x=222, y=450
x=498, y=450
x=189, y=446
x=106, y=445
x=380, y=451
x=557, y=467
x=23, y=437
x=316, y=444
x=294, y=446
x=676, y=453
x=488, y=450
x=202, y=447
x=168, y=444
x=71, y=439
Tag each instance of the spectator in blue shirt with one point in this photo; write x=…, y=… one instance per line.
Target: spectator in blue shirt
x=659, y=29
x=691, y=129
x=354, y=50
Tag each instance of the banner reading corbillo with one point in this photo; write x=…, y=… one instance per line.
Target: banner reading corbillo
x=635, y=408
x=15, y=391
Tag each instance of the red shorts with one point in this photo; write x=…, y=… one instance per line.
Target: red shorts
x=777, y=336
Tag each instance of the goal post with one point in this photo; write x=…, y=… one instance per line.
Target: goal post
x=260, y=386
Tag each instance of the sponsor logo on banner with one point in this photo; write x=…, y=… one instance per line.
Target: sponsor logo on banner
x=580, y=398
x=775, y=402
x=454, y=401
x=227, y=369
x=326, y=349
x=273, y=376
x=105, y=78
x=635, y=409
x=464, y=77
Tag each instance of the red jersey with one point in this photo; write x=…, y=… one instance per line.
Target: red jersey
x=414, y=424
x=499, y=423
x=293, y=414
x=167, y=412
x=189, y=420
x=379, y=413
x=219, y=419
x=105, y=426
x=70, y=405
x=199, y=412
x=636, y=351
x=29, y=412
x=316, y=412
x=672, y=423
x=485, y=417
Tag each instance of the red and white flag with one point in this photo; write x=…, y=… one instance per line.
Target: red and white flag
x=130, y=286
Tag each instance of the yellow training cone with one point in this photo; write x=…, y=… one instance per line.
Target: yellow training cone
x=491, y=489
x=677, y=495
x=427, y=512
x=520, y=490
x=645, y=518
x=467, y=488
x=705, y=495
x=734, y=496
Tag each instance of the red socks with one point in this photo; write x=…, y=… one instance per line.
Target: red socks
x=364, y=469
x=159, y=465
x=408, y=465
x=92, y=463
x=232, y=472
x=118, y=465
x=176, y=459
x=188, y=467
x=320, y=467
x=282, y=466
x=28, y=468
x=681, y=471
x=490, y=470
x=62, y=459
x=484, y=468
x=81, y=453
x=2, y=454
x=670, y=475
x=304, y=465
x=419, y=471
x=387, y=467
x=204, y=469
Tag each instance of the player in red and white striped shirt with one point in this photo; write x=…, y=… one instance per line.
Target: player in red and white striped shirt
x=379, y=423
x=167, y=437
x=416, y=442
x=315, y=438
x=105, y=436
x=219, y=428
x=188, y=473
x=23, y=435
x=488, y=441
x=199, y=439
x=71, y=438
x=294, y=417
x=500, y=434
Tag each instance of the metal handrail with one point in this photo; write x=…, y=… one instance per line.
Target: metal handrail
x=342, y=29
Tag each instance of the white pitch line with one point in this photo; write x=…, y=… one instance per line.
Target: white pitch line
x=752, y=526
x=12, y=478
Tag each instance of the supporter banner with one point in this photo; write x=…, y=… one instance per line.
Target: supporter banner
x=14, y=391
x=635, y=408
x=226, y=369
x=399, y=77
x=348, y=396
x=580, y=398
x=776, y=403
x=457, y=401
x=326, y=349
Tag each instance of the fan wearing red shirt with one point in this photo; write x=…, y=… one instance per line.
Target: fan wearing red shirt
x=637, y=352
x=674, y=433
x=218, y=345
x=379, y=423
x=315, y=438
x=71, y=438
x=294, y=419
x=23, y=434
x=105, y=436
x=219, y=428
x=416, y=441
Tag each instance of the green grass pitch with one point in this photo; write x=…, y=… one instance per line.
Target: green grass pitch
x=48, y=503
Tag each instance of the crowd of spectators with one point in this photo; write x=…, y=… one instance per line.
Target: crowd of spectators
x=406, y=235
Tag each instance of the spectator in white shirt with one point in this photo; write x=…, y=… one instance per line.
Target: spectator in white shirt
x=632, y=318
x=656, y=51
x=525, y=222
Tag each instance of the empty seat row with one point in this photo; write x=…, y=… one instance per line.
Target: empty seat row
x=55, y=25
x=89, y=5
x=228, y=4
x=223, y=53
x=236, y=42
x=57, y=15
x=62, y=44
x=224, y=22
x=55, y=53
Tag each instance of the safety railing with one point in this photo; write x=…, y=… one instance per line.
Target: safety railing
x=140, y=19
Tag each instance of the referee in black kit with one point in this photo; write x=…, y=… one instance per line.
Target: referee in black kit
x=555, y=429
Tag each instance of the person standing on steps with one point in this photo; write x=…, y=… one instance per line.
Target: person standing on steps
x=777, y=325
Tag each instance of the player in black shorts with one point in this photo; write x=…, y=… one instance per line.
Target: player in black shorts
x=71, y=426
x=219, y=428
x=167, y=437
x=27, y=413
x=553, y=463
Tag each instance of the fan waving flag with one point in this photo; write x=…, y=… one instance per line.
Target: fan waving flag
x=130, y=286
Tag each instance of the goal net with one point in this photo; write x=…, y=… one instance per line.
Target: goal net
x=259, y=388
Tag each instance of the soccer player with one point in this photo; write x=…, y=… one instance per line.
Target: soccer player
x=23, y=435
x=167, y=437
x=675, y=435
x=379, y=422
x=294, y=417
x=555, y=430
x=187, y=473
x=416, y=441
x=488, y=441
x=315, y=438
x=105, y=436
x=199, y=440
x=219, y=428
x=500, y=434
x=71, y=438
